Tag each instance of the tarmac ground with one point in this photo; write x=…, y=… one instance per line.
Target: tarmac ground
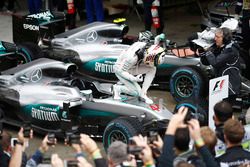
x=180, y=22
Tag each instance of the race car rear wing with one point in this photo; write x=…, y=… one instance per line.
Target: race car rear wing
x=41, y=26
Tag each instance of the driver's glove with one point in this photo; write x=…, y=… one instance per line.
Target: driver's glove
x=160, y=38
x=139, y=78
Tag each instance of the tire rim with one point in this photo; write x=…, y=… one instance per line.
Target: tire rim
x=117, y=135
x=184, y=86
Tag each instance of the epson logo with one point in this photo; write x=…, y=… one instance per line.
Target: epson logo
x=31, y=27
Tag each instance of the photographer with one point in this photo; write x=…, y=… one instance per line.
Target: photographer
x=146, y=154
x=56, y=161
x=37, y=157
x=177, y=121
x=225, y=58
x=167, y=156
x=90, y=146
x=234, y=155
x=6, y=148
x=18, y=157
x=118, y=155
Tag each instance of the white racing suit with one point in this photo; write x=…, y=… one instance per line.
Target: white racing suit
x=127, y=68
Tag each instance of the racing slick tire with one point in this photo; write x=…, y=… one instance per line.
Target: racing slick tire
x=196, y=109
x=188, y=82
x=28, y=52
x=121, y=129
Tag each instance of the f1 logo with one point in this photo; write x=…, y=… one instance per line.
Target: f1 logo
x=218, y=85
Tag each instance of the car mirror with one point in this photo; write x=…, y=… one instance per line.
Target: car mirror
x=24, y=78
x=87, y=94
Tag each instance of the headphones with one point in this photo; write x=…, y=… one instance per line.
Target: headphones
x=227, y=35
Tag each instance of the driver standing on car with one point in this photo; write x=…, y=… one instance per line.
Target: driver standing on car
x=225, y=58
x=141, y=58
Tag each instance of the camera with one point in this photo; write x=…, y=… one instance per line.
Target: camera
x=72, y=138
x=46, y=160
x=191, y=114
x=13, y=142
x=26, y=130
x=71, y=163
x=133, y=149
x=152, y=136
x=51, y=139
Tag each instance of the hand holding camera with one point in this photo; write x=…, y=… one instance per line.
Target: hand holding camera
x=88, y=144
x=177, y=120
x=146, y=153
x=72, y=138
x=27, y=131
x=51, y=139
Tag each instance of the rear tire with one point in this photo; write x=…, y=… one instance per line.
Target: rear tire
x=121, y=129
x=188, y=82
x=28, y=52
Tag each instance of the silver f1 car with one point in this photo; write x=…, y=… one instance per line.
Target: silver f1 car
x=41, y=92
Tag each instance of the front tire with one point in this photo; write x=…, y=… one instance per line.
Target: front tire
x=121, y=129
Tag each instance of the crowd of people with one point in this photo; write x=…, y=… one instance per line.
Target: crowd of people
x=184, y=144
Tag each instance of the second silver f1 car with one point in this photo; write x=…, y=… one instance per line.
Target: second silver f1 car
x=41, y=92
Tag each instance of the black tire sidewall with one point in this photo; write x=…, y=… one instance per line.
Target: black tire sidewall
x=124, y=126
x=191, y=74
x=31, y=50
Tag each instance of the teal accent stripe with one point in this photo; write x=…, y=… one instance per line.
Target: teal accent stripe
x=166, y=66
x=96, y=113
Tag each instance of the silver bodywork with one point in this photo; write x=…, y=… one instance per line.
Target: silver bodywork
x=36, y=88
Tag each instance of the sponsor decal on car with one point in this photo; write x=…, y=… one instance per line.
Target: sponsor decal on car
x=45, y=113
x=47, y=15
x=103, y=67
x=31, y=27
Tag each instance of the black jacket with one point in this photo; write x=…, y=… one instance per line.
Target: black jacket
x=225, y=61
x=234, y=156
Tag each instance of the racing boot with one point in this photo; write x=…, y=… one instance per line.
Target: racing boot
x=116, y=92
x=146, y=99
